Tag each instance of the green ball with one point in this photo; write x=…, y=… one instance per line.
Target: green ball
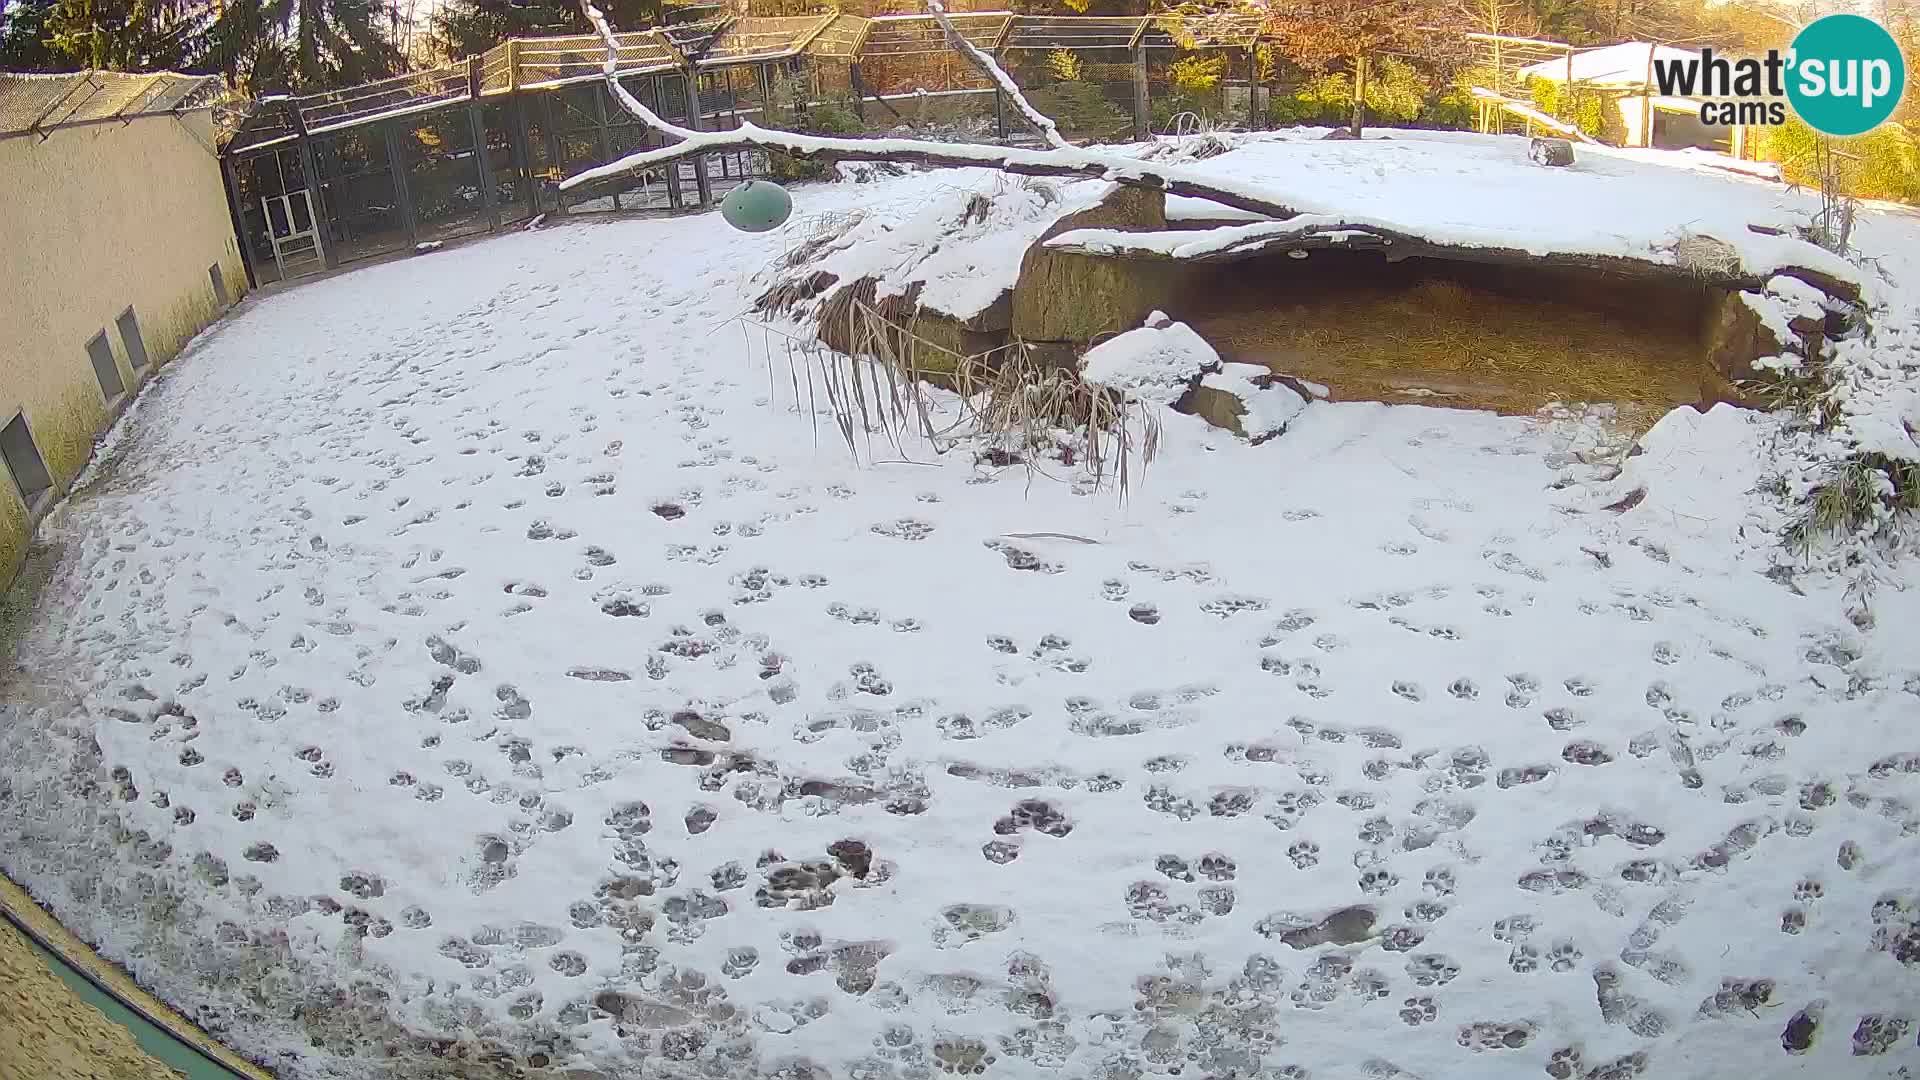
x=757, y=206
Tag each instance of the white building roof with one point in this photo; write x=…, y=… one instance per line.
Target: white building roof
x=1616, y=65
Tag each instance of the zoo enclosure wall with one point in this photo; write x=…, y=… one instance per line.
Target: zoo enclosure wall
x=108, y=273
x=476, y=146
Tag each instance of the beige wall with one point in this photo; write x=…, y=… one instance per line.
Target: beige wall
x=93, y=219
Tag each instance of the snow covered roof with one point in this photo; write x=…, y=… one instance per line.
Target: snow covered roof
x=1625, y=64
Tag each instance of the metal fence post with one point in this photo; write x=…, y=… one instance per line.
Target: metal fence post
x=247, y=255
x=482, y=153
x=700, y=180
x=1142, y=109
x=1253, y=90
x=523, y=149
x=398, y=167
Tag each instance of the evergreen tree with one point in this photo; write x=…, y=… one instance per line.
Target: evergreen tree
x=24, y=38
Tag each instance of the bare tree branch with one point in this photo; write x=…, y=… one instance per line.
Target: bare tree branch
x=612, y=68
x=1067, y=161
x=1064, y=159
x=1041, y=121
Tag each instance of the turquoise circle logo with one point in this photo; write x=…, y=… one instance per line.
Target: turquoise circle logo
x=1848, y=74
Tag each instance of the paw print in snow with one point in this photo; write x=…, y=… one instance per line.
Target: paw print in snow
x=1019, y=558
x=1402, y=938
x=1415, y=1011
x=904, y=529
x=1227, y=606
x=1484, y=1036
x=1808, y=891
x=1564, y=956
x=1513, y=928
x=1378, y=882
x=1432, y=969
x=1217, y=867
x=1035, y=814
x=740, y=961
x=1439, y=881
x=1524, y=959
x=1304, y=853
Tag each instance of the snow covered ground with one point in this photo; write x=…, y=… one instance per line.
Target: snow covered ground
x=483, y=648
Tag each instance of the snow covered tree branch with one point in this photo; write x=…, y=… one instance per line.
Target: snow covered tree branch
x=1061, y=159
x=1041, y=121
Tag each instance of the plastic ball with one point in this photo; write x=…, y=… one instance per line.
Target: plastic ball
x=757, y=206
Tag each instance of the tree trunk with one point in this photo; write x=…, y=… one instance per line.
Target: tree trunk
x=1359, y=94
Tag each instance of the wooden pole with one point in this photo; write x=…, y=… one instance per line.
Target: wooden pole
x=1646, y=100
x=1142, y=108
x=1359, y=93
x=1253, y=90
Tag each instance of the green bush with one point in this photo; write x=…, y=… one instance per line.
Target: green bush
x=832, y=118
x=1397, y=95
x=1885, y=162
x=1588, y=112
x=1079, y=107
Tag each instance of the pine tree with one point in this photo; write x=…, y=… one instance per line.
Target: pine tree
x=24, y=38
x=268, y=46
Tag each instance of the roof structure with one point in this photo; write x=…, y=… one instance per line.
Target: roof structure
x=1071, y=32
x=912, y=35
x=43, y=103
x=840, y=38
x=765, y=38
x=1624, y=65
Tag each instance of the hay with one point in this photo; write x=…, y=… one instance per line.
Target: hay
x=790, y=291
x=1013, y=403
x=1442, y=341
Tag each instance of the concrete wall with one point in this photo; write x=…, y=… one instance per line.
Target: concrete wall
x=93, y=219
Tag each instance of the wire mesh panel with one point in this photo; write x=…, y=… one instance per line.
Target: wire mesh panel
x=358, y=196
x=506, y=163
x=751, y=39
x=1088, y=93
x=545, y=63
x=414, y=92
x=1223, y=31
x=257, y=177
x=45, y=102
x=1069, y=32
x=444, y=174
x=840, y=38
x=691, y=40
x=908, y=35
x=496, y=69
x=268, y=124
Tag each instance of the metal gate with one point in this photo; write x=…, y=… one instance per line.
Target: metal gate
x=296, y=238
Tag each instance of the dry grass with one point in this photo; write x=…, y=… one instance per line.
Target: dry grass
x=873, y=376
x=1443, y=342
